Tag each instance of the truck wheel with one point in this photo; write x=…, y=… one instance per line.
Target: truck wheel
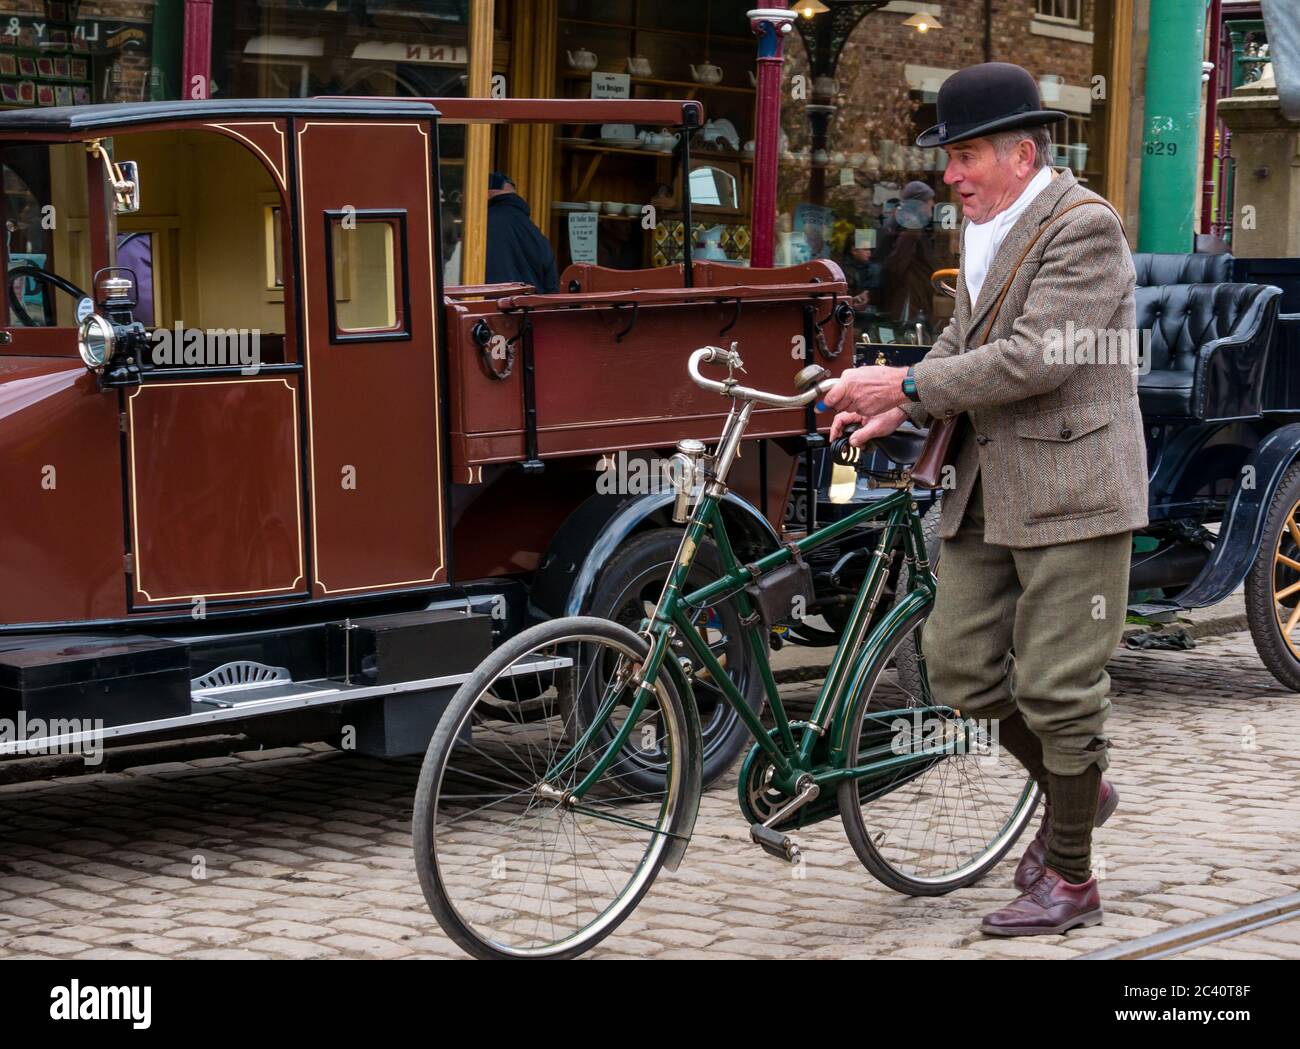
x=1273, y=585
x=627, y=592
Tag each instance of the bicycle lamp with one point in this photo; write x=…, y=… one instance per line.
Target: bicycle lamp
x=683, y=471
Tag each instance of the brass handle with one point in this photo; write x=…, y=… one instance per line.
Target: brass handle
x=944, y=282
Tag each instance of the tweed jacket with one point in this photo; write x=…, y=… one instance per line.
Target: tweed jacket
x=1052, y=419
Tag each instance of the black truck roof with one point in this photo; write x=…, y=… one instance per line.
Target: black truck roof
x=107, y=116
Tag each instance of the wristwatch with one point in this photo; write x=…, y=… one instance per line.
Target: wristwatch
x=909, y=386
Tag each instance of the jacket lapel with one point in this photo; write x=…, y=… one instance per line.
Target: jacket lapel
x=1013, y=246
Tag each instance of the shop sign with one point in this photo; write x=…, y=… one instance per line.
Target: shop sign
x=582, y=235
x=611, y=85
x=425, y=54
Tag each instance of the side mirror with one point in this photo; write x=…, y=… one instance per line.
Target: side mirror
x=124, y=178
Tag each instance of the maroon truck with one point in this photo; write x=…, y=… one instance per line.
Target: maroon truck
x=263, y=472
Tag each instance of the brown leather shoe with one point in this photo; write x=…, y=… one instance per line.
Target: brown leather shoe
x=1031, y=863
x=1051, y=906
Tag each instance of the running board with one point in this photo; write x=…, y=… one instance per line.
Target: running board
x=209, y=706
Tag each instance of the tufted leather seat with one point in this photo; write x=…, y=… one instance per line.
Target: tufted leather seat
x=1209, y=345
x=1179, y=268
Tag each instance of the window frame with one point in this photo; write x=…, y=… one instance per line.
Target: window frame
x=1044, y=16
x=400, y=333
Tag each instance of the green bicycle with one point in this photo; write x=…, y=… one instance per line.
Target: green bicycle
x=536, y=836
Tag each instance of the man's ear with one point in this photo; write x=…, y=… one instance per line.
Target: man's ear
x=1027, y=150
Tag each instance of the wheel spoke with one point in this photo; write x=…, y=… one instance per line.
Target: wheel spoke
x=926, y=829
x=519, y=871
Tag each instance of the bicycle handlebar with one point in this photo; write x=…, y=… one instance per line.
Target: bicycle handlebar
x=731, y=388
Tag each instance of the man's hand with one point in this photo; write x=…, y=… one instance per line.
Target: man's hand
x=869, y=391
x=876, y=426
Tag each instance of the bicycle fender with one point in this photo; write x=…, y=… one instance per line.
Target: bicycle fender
x=592, y=534
x=693, y=786
x=863, y=666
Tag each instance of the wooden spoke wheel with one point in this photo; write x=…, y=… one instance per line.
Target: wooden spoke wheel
x=1273, y=585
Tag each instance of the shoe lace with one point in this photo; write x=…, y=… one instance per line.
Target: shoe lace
x=1041, y=888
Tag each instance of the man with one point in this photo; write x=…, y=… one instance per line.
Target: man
x=907, y=256
x=516, y=249
x=1049, y=477
x=865, y=279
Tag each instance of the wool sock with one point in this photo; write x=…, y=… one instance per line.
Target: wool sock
x=1024, y=745
x=1074, y=807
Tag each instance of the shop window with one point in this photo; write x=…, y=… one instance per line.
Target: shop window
x=1060, y=10
x=73, y=52
x=366, y=270
x=1071, y=146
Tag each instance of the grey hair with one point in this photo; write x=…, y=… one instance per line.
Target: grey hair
x=1005, y=141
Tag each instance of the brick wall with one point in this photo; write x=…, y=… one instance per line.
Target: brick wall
x=875, y=104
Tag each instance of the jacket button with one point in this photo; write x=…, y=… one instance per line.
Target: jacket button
x=1066, y=433
x=981, y=439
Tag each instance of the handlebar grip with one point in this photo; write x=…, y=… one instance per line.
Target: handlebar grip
x=843, y=453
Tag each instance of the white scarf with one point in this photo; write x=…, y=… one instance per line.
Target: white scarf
x=981, y=240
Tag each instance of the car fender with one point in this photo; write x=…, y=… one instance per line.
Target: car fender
x=1243, y=525
x=591, y=535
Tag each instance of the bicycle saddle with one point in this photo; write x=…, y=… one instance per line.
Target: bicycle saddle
x=903, y=446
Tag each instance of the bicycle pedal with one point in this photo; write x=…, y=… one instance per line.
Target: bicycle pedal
x=774, y=843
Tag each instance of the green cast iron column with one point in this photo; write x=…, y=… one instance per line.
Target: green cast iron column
x=168, y=40
x=1171, y=125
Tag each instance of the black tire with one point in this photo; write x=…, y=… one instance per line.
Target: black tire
x=456, y=841
x=877, y=811
x=1277, y=647
x=628, y=586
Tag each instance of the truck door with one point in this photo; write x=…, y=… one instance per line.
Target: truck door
x=366, y=227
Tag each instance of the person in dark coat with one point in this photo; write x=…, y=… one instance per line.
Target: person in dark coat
x=517, y=252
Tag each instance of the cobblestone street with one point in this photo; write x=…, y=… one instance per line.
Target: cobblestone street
x=305, y=852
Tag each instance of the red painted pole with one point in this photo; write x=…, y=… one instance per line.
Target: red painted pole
x=770, y=25
x=1211, y=117
x=196, y=61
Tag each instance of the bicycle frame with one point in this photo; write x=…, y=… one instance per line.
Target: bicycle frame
x=793, y=760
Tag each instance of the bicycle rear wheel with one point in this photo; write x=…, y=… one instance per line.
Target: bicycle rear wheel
x=511, y=864
x=928, y=827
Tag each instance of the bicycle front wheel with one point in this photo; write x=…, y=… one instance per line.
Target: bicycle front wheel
x=930, y=826
x=512, y=864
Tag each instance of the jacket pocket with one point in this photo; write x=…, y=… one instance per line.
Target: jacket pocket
x=1067, y=461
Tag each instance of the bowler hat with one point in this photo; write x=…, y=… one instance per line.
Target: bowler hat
x=985, y=99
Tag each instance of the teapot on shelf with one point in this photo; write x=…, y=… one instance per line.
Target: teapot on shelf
x=664, y=142
x=639, y=65
x=582, y=59
x=707, y=73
